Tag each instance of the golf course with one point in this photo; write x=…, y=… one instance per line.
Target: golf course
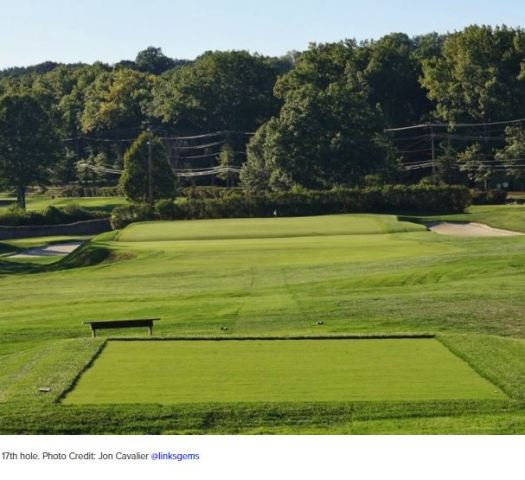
x=334, y=324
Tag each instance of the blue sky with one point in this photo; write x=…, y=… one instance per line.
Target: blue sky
x=32, y=31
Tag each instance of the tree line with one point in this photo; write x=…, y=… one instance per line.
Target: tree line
x=313, y=120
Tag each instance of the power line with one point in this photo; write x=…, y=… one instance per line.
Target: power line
x=208, y=135
x=96, y=139
x=179, y=172
x=207, y=155
x=195, y=147
x=453, y=125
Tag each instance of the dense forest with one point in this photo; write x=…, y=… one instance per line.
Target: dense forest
x=431, y=108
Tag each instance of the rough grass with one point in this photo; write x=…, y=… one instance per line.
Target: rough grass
x=41, y=202
x=469, y=289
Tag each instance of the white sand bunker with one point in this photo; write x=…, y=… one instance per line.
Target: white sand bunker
x=469, y=230
x=49, y=250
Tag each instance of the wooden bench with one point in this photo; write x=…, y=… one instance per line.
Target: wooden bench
x=140, y=322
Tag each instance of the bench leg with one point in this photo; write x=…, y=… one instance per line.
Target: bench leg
x=151, y=330
x=93, y=332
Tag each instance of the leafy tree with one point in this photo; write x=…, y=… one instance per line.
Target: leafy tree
x=512, y=156
x=322, y=139
x=152, y=60
x=391, y=68
x=477, y=77
x=319, y=66
x=28, y=144
x=262, y=171
x=219, y=91
x=92, y=170
x=474, y=163
x=135, y=176
x=326, y=134
x=256, y=172
x=117, y=100
x=227, y=161
x=427, y=46
x=448, y=171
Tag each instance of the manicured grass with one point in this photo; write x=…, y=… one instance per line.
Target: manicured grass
x=278, y=370
x=468, y=290
x=41, y=202
x=510, y=217
x=236, y=228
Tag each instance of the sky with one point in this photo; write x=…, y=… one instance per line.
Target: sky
x=33, y=31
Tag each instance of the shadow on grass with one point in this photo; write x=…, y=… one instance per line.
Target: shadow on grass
x=422, y=218
x=86, y=255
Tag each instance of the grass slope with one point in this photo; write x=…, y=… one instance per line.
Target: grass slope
x=469, y=290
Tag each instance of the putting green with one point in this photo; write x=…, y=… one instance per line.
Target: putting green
x=354, y=224
x=168, y=372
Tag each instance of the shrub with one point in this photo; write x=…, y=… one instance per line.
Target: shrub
x=205, y=192
x=166, y=209
x=53, y=216
x=83, y=191
x=489, y=197
x=123, y=215
x=15, y=216
x=392, y=198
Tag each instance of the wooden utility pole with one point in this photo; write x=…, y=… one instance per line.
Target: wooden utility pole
x=150, y=165
x=433, y=152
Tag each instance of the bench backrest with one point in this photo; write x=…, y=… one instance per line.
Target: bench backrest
x=141, y=322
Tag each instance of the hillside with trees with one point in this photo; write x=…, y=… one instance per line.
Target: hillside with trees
x=432, y=108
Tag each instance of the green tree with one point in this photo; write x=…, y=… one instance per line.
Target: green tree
x=261, y=172
x=512, y=155
x=477, y=77
x=28, y=144
x=227, y=162
x=219, y=91
x=117, y=100
x=391, y=67
x=473, y=162
x=93, y=169
x=61, y=92
x=326, y=133
x=448, y=171
x=134, y=180
x=152, y=60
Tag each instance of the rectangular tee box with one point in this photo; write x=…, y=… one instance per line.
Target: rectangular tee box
x=170, y=372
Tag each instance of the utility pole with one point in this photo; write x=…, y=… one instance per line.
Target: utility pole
x=150, y=165
x=433, y=152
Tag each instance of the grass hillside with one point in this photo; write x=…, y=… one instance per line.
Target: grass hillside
x=333, y=275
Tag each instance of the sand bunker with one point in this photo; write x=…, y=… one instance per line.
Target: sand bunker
x=469, y=230
x=49, y=250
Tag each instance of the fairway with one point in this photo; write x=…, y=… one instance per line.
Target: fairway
x=167, y=372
